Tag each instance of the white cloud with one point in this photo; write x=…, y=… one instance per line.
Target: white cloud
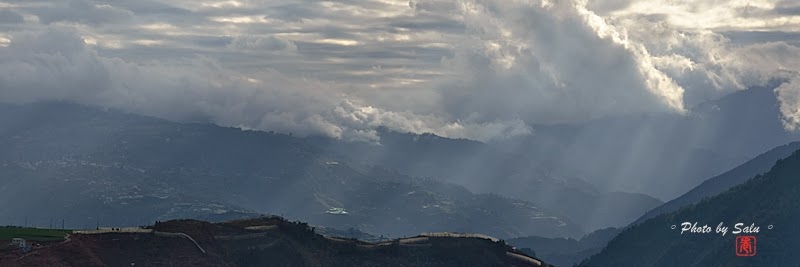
x=465, y=68
x=551, y=62
x=56, y=64
x=697, y=56
x=712, y=14
x=789, y=99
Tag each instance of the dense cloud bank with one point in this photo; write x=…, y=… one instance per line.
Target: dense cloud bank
x=479, y=69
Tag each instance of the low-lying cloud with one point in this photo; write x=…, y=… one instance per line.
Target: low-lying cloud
x=479, y=69
x=56, y=64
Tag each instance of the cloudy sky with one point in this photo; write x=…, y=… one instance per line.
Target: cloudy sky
x=479, y=69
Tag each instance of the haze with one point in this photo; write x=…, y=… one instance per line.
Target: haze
x=638, y=96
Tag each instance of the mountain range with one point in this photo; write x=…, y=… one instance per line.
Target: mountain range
x=568, y=251
x=482, y=167
x=89, y=166
x=661, y=155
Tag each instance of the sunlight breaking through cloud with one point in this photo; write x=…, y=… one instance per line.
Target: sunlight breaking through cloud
x=443, y=66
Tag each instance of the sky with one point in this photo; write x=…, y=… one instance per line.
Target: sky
x=477, y=69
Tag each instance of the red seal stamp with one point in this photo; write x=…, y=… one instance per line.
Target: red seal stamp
x=745, y=246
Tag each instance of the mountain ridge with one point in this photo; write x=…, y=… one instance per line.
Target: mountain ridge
x=768, y=201
x=483, y=168
x=117, y=160
x=264, y=241
x=725, y=181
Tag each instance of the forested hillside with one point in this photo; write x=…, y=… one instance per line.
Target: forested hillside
x=768, y=201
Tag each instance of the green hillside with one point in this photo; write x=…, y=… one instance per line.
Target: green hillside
x=36, y=234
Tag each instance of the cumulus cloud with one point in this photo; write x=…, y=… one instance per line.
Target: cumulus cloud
x=707, y=64
x=702, y=62
x=551, y=62
x=789, y=99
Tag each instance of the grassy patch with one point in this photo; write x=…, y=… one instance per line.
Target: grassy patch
x=35, y=234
